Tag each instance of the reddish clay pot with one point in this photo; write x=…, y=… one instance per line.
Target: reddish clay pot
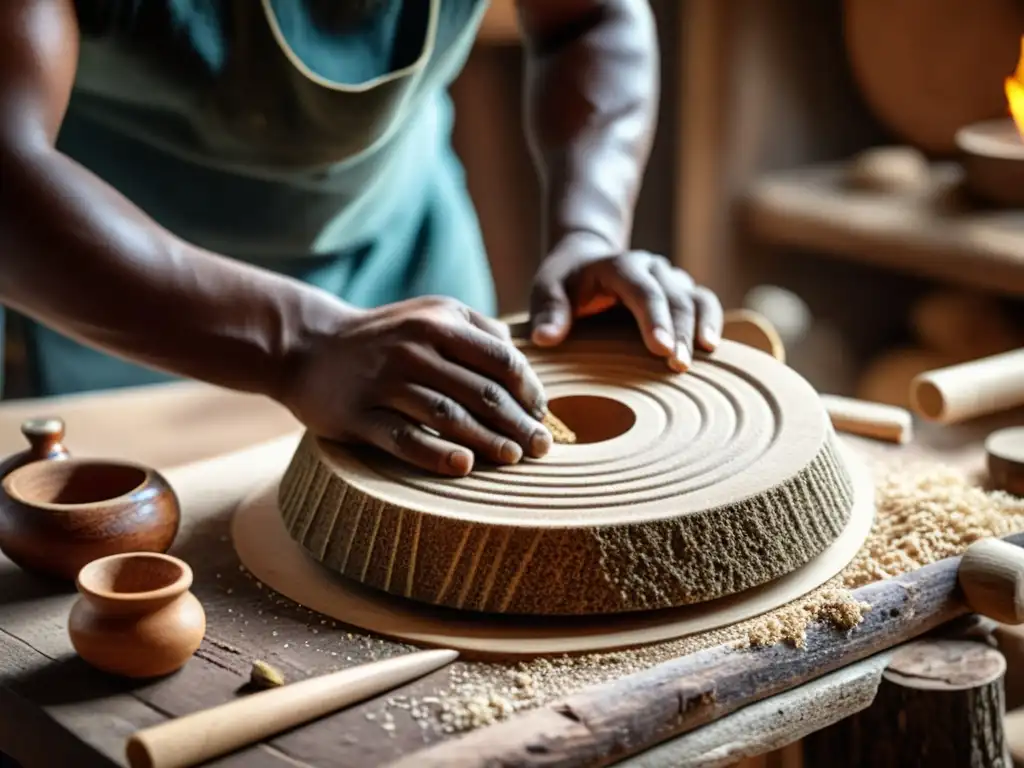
x=136, y=616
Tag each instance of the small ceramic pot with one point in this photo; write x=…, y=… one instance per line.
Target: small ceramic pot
x=56, y=516
x=136, y=616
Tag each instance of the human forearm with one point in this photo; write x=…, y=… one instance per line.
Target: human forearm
x=593, y=89
x=76, y=255
x=592, y=95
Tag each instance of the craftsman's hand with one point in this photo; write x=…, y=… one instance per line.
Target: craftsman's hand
x=579, y=280
x=381, y=376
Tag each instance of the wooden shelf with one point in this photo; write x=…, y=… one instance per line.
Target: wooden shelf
x=937, y=233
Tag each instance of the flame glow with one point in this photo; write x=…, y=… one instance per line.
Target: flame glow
x=1014, y=87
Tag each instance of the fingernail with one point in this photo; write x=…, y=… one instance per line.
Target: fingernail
x=681, y=360
x=711, y=336
x=510, y=453
x=664, y=338
x=540, y=408
x=541, y=442
x=546, y=332
x=460, y=461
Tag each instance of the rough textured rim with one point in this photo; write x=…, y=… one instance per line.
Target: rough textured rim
x=263, y=546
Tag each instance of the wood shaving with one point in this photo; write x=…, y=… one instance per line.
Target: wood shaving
x=263, y=675
x=559, y=432
x=789, y=623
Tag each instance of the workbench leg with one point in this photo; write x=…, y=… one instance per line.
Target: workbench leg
x=940, y=703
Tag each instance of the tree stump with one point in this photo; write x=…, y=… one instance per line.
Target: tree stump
x=940, y=703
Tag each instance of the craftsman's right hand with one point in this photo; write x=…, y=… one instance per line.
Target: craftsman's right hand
x=379, y=376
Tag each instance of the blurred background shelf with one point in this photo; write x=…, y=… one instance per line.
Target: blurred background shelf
x=937, y=234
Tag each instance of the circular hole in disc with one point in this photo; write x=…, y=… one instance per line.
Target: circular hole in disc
x=592, y=418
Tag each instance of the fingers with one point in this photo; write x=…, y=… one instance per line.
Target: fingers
x=470, y=385
x=489, y=325
x=710, y=318
x=489, y=404
x=678, y=287
x=397, y=435
x=637, y=288
x=550, y=311
x=499, y=361
x=451, y=421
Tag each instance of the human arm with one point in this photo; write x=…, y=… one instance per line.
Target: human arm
x=78, y=256
x=592, y=98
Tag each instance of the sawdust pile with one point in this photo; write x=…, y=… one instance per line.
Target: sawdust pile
x=924, y=513
x=789, y=623
x=927, y=514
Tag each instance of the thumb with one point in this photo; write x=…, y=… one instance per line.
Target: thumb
x=550, y=312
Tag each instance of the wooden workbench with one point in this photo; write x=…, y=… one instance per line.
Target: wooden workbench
x=56, y=711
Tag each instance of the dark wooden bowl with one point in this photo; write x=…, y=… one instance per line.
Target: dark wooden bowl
x=992, y=155
x=57, y=516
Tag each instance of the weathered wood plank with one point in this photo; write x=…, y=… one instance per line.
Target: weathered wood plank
x=31, y=737
x=244, y=622
x=63, y=709
x=62, y=695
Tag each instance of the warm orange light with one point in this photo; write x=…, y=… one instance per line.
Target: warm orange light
x=1015, y=93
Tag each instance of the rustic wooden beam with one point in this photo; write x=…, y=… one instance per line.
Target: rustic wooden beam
x=771, y=725
x=608, y=722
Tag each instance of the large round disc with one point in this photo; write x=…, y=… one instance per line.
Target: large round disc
x=264, y=547
x=683, y=488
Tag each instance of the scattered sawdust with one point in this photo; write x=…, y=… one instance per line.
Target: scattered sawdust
x=924, y=513
x=789, y=623
x=560, y=433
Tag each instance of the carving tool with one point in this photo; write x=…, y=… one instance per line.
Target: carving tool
x=210, y=733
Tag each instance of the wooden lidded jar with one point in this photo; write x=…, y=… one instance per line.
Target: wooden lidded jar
x=58, y=513
x=45, y=438
x=136, y=616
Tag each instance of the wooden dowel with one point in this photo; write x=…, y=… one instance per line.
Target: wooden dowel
x=204, y=735
x=1004, y=450
x=991, y=575
x=874, y=420
x=961, y=392
x=585, y=729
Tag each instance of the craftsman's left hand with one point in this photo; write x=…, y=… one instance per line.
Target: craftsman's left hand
x=672, y=312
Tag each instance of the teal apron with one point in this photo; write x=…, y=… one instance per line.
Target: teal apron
x=254, y=129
